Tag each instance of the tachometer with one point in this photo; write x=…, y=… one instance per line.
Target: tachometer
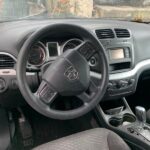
x=37, y=55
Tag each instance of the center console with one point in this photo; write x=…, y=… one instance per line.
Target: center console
x=118, y=117
x=119, y=46
x=140, y=128
x=120, y=60
x=114, y=112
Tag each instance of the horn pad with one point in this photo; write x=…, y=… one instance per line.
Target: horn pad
x=69, y=75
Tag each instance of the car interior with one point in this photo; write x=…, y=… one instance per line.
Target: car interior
x=74, y=84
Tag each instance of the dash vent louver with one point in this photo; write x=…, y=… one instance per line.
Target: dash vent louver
x=105, y=33
x=122, y=33
x=6, y=61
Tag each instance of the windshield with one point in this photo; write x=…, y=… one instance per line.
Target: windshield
x=136, y=10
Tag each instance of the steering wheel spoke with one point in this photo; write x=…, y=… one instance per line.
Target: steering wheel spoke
x=87, y=96
x=93, y=88
x=96, y=75
x=84, y=97
x=87, y=49
x=46, y=93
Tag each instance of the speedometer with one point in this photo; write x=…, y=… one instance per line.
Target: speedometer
x=37, y=55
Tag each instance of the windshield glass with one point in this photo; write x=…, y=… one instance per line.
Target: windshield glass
x=136, y=10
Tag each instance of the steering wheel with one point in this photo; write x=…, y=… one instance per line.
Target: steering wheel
x=68, y=75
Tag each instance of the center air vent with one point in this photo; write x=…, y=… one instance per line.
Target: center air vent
x=6, y=61
x=122, y=33
x=105, y=33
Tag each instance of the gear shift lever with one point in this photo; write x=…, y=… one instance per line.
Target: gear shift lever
x=141, y=129
x=141, y=115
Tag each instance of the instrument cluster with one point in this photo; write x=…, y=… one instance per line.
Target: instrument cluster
x=42, y=52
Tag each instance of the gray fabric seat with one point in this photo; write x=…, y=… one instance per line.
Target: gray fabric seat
x=95, y=139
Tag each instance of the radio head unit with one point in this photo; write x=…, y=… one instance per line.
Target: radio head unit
x=120, y=58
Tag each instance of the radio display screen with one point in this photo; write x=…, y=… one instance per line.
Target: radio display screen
x=117, y=54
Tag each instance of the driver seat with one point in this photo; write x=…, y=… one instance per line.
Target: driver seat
x=94, y=139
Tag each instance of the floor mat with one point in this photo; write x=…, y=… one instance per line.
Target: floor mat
x=46, y=129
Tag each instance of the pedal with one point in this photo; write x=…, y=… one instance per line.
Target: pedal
x=26, y=132
x=5, y=135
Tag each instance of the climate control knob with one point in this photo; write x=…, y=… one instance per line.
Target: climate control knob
x=131, y=81
x=122, y=84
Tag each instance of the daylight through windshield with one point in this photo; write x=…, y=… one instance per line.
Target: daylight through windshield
x=137, y=10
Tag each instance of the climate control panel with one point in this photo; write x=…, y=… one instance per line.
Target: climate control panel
x=120, y=84
x=122, y=87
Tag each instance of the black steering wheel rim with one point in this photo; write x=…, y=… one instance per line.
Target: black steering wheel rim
x=31, y=99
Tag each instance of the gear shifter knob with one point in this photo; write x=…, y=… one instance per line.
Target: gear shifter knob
x=141, y=114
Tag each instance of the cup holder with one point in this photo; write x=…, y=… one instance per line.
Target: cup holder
x=122, y=120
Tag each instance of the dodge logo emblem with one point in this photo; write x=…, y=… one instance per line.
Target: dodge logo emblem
x=72, y=74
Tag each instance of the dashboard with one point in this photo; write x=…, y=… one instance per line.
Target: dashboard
x=126, y=44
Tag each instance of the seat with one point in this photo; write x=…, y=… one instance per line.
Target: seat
x=94, y=139
x=148, y=116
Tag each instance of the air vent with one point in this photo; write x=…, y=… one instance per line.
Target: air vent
x=6, y=61
x=105, y=33
x=122, y=33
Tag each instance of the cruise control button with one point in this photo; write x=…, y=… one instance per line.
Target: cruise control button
x=87, y=50
x=46, y=93
x=47, y=97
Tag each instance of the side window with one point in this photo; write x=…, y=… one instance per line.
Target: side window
x=14, y=8
x=21, y=8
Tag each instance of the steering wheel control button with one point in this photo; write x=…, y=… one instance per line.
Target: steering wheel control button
x=46, y=93
x=87, y=50
x=2, y=85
